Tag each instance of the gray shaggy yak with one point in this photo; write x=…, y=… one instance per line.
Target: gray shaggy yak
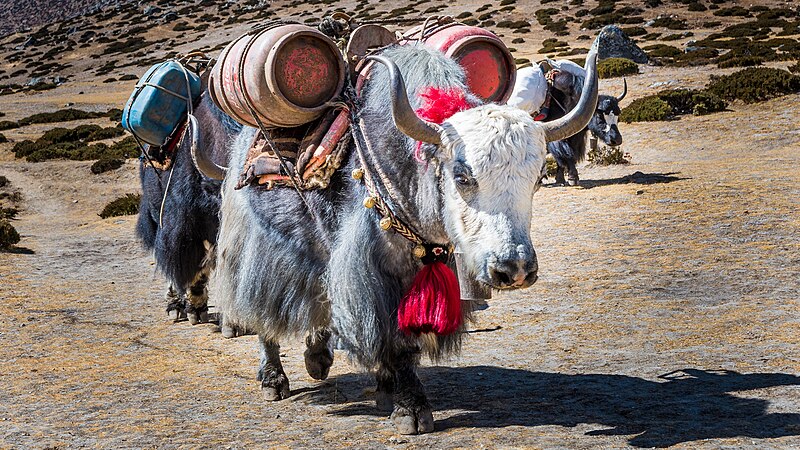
x=282, y=270
x=179, y=213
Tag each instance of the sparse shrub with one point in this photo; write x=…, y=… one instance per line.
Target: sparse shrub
x=616, y=67
x=123, y=206
x=8, y=213
x=689, y=101
x=8, y=125
x=742, y=61
x=8, y=235
x=670, y=23
x=662, y=51
x=608, y=156
x=754, y=84
x=697, y=6
x=62, y=115
x=3, y=138
x=646, y=109
x=736, y=11
x=794, y=68
x=634, y=31
x=3, y=181
x=106, y=164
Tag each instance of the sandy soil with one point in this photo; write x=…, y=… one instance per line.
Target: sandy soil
x=666, y=313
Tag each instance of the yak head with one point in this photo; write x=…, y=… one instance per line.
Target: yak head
x=604, y=122
x=491, y=162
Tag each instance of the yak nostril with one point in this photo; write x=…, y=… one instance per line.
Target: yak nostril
x=500, y=277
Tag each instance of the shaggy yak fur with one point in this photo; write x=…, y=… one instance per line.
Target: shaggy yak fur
x=283, y=271
x=182, y=239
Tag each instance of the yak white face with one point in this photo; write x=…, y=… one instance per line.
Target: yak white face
x=493, y=160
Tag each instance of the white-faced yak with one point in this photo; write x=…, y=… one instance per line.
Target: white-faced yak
x=433, y=169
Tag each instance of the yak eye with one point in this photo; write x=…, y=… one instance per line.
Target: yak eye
x=463, y=176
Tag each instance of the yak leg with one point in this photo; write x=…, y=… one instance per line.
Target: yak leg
x=572, y=176
x=412, y=413
x=176, y=303
x=385, y=391
x=197, y=299
x=318, y=354
x=274, y=383
x=560, y=175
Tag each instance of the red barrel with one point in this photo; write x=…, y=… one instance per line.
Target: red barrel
x=488, y=64
x=286, y=74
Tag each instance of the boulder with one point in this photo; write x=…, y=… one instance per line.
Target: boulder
x=614, y=43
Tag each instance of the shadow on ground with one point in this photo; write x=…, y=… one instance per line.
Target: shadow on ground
x=683, y=406
x=635, y=178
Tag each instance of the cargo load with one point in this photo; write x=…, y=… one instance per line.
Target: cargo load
x=160, y=102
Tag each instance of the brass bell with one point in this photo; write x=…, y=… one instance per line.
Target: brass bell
x=386, y=224
x=419, y=251
x=358, y=174
x=369, y=202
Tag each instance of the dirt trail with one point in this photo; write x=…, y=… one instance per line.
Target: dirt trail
x=666, y=314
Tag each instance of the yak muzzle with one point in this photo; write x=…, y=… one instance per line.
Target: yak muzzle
x=510, y=272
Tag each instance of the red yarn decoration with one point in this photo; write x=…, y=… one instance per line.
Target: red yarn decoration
x=438, y=105
x=433, y=304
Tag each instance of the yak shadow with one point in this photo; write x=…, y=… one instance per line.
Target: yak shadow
x=682, y=406
x=18, y=250
x=634, y=178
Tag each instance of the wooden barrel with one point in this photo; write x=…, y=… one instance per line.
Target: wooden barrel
x=488, y=63
x=285, y=74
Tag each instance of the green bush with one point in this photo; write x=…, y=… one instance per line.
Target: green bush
x=123, y=206
x=63, y=115
x=8, y=213
x=616, y=67
x=742, y=61
x=794, y=68
x=646, y=109
x=689, y=101
x=754, y=84
x=106, y=164
x=3, y=181
x=662, y=51
x=3, y=138
x=8, y=125
x=607, y=156
x=8, y=235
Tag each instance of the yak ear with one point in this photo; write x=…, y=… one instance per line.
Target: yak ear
x=450, y=140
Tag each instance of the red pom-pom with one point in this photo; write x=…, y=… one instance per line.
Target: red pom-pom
x=433, y=304
x=439, y=104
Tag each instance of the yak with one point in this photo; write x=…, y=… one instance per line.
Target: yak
x=179, y=211
x=603, y=125
x=320, y=262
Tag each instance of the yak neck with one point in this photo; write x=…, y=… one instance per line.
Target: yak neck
x=409, y=187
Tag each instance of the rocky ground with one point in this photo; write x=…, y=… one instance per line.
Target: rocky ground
x=666, y=313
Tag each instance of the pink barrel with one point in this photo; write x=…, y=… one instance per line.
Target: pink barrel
x=286, y=74
x=488, y=64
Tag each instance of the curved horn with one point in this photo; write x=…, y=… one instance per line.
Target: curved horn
x=624, y=89
x=579, y=117
x=405, y=119
x=204, y=164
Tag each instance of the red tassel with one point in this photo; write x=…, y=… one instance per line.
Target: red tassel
x=433, y=304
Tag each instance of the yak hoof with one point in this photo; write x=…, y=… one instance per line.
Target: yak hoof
x=275, y=388
x=573, y=181
x=197, y=317
x=318, y=362
x=228, y=331
x=176, y=315
x=407, y=422
x=384, y=401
